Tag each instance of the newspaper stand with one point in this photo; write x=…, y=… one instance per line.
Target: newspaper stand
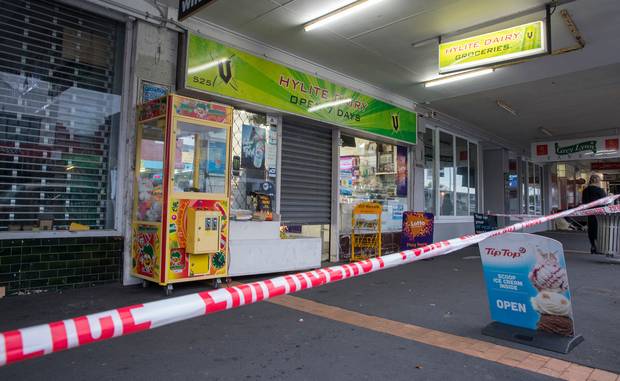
x=181, y=191
x=366, y=231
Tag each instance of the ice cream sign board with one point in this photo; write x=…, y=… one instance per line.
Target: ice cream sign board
x=527, y=284
x=503, y=45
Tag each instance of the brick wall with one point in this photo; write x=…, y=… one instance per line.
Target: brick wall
x=58, y=263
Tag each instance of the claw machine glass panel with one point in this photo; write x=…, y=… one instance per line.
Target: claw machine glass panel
x=181, y=211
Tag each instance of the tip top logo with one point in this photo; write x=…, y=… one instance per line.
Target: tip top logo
x=493, y=252
x=395, y=122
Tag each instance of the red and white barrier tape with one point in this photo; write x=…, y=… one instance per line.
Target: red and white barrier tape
x=31, y=342
x=611, y=209
x=520, y=216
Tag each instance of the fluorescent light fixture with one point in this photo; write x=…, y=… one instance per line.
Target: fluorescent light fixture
x=206, y=66
x=329, y=104
x=544, y=131
x=339, y=13
x=71, y=167
x=506, y=107
x=457, y=77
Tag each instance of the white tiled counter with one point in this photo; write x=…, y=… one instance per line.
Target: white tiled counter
x=256, y=248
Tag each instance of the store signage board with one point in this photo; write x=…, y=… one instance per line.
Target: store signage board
x=189, y=7
x=503, y=45
x=577, y=149
x=484, y=223
x=606, y=165
x=152, y=90
x=527, y=283
x=222, y=70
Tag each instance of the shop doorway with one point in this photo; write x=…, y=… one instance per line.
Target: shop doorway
x=376, y=172
x=306, y=181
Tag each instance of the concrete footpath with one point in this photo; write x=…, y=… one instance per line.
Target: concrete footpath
x=420, y=321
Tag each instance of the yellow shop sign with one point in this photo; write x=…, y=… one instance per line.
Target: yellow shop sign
x=504, y=45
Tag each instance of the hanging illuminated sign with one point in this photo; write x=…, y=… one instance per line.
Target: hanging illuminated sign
x=225, y=71
x=504, y=45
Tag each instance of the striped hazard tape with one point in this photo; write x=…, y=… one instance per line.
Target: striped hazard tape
x=611, y=209
x=31, y=342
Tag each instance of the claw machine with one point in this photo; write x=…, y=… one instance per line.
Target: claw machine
x=181, y=192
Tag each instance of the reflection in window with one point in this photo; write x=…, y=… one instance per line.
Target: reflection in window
x=428, y=140
x=200, y=161
x=462, y=177
x=150, y=176
x=446, y=174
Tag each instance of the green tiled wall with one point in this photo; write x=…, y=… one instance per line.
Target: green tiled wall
x=56, y=263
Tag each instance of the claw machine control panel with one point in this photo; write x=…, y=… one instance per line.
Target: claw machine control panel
x=181, y=193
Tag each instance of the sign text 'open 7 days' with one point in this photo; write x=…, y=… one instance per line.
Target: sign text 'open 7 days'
x=222, y=70
x=503, y=45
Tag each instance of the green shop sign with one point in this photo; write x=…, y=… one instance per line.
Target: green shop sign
x=222, y=70
x=574, y=148
x=503, y=45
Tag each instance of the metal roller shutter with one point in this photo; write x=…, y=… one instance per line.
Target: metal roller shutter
x=58, y=111
x=306, y=181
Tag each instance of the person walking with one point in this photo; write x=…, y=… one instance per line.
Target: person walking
x=591, y=193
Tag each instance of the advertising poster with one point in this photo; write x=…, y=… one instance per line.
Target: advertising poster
x=527, y=283
x=417, y=230
x=253, y=147
x=271, y=153
x=401, y=171
x=484, y=223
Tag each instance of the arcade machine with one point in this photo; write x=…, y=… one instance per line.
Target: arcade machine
x=181, y=192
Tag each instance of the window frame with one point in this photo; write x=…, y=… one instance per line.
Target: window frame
x=436, y=131
x=536, y=189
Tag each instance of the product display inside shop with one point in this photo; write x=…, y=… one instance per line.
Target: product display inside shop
x=181, y=194
x=376, y=172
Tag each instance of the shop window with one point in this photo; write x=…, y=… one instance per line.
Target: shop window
x=60, y=94
x=456, y=159
x=254, y=166
x=462, y=177
x=377, y=172
x=534, y=188
x=446, y=174
x=473, y=178
x=151, y=172
x=200, y=158
x=428, y=141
